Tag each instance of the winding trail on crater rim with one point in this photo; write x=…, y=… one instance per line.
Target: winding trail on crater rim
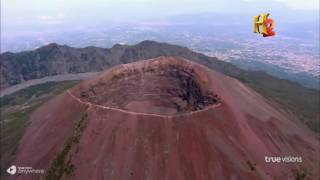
x=136, y=113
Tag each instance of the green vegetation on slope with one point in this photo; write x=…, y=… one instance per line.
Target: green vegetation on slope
x=24, y=95
x=15, y=110
x=61, y=165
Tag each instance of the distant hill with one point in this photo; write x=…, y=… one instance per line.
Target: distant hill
x=55, y=59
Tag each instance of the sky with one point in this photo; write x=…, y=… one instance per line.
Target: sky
x=34, y=16
x=25, y=19
x=15, y=12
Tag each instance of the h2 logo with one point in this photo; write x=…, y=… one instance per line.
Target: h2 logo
x=263, y=25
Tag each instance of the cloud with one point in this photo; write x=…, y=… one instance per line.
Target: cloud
x=301, y=4
x=295, y=4
x=53, y=19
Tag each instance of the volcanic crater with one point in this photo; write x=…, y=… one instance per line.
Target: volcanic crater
x=94, y=131
x=164, y=88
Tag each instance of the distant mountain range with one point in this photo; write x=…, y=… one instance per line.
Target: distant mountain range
x=55, y=59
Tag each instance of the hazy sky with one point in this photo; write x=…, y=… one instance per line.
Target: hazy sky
x=23, y=21
x=62, y=11
x=24, y=17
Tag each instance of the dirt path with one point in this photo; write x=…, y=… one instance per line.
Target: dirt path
x=131, y=112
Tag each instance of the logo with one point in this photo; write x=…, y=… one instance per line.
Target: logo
x=23, y=170
x=264, y=25
x=12, y=170
x=285, y=159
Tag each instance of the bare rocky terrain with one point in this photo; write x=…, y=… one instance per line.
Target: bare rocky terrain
x=159, y=88
x=201, y=125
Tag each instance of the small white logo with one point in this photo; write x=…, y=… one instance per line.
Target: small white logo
x=12, y=170
x=23, y=170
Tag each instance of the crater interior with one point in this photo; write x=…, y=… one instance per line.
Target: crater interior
x=164, y=89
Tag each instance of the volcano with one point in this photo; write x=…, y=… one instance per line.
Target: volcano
x=165, y=118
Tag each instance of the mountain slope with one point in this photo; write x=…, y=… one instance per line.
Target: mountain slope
x=130, y=123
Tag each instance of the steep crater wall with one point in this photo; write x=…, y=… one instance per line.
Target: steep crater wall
x=159, y=88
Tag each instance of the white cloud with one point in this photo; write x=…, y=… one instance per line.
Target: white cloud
x=55, y=19
x=301, y=4
x=296, y=4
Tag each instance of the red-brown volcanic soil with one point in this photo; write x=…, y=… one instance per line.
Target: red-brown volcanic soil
x=165, y=118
